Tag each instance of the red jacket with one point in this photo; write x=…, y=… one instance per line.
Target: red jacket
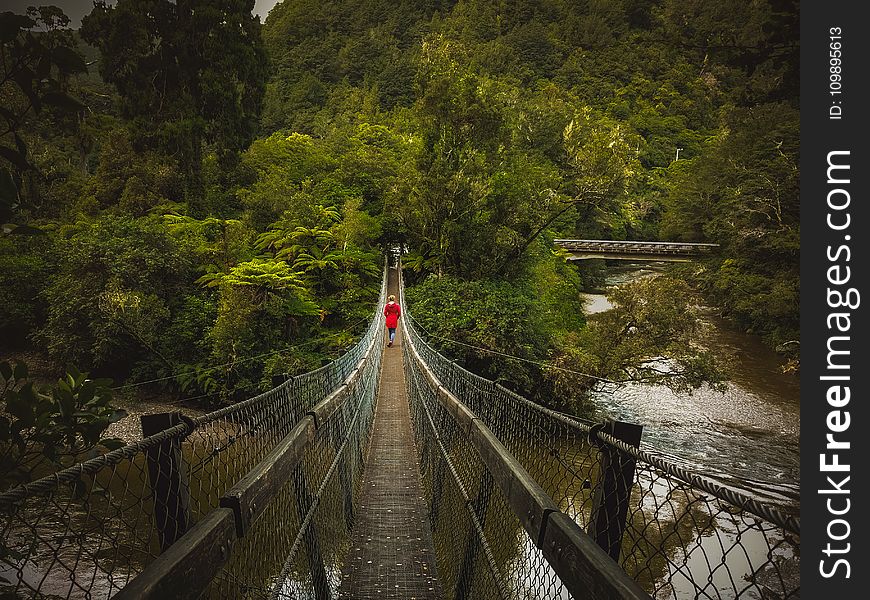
x=392, y=312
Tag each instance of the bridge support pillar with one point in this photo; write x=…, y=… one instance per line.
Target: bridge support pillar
x=168, y=477
x=613, y=492
x=312, y=546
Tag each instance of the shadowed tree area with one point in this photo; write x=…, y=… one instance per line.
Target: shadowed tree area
x=189, y=74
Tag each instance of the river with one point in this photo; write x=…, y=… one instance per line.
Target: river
x=747, y=436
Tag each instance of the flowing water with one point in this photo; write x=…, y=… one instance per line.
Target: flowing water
x=747, y=436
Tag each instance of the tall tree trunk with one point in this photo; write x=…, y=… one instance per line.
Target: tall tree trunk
x=195, y=189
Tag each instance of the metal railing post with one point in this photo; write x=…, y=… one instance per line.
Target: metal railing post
x=613, y=492
x=280, y=378
x=168, y=478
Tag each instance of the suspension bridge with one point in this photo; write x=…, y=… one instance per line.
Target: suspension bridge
x=633, y=250
x=390, y=473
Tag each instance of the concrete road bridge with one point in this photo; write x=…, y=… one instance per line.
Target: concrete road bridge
x=633, y=250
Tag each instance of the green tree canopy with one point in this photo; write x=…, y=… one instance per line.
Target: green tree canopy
x=38, y=55
x=189, y=72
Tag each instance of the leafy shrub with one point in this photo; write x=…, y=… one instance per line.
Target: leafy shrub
x=50, y=428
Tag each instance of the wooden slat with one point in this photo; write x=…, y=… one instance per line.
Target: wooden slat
x=529, y=502
x=585, y=569
x=249, y=497
x=189, y=565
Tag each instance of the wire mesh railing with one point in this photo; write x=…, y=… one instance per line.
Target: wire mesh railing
x=297, y=547
x=89, y=530
x=676, y=533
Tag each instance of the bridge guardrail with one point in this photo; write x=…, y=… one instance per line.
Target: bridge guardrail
x=685, y=536
x=189, y=566
x=631, y=250
x=579, y=565
x=89, y=530
x=615, y=244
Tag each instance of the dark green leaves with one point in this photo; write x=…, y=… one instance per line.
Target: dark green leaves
x=15, y=157
x=20, y=371
x=36, y=70
x=20, y=404
x=184, y=80
x=55, y=425
x=63, y=102
x=67, y=60
x=11, y=25
x=112, y=443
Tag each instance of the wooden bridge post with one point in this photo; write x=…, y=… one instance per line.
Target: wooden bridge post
x=280, y=378
x=168, y=478
x=466, y=572
x=312, y=545
x=613, y=492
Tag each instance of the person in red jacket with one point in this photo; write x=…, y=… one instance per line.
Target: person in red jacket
x=392, y=312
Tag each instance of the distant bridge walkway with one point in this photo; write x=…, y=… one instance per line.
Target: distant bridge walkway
x=391, y=554
x=633, y=250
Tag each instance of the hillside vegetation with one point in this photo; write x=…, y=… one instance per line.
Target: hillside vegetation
x=200, y=201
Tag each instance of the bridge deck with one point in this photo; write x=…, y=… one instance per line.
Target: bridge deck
x=391, y=553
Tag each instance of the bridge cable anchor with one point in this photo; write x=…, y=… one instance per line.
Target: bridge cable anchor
x=592, y=436
x=191, y=424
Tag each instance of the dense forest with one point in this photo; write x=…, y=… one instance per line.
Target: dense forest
x=195, y=202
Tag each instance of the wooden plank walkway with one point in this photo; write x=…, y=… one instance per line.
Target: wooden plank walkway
x=391, y=554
